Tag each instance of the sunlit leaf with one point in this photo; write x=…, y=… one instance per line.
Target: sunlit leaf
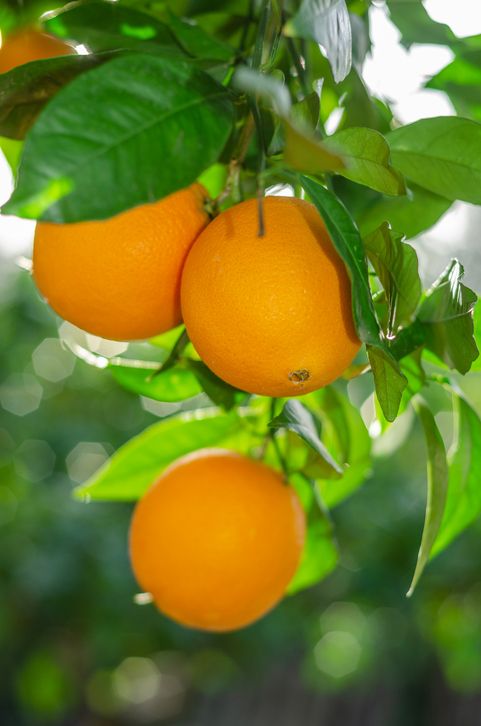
x=389, y=381
x=175, y=384
x=437, y=483
x=319, y=557
x=178, y=121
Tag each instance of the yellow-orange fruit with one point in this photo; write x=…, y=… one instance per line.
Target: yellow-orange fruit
x=28, y=45
x=120, y=278
x=217, y=540
x=272, y=314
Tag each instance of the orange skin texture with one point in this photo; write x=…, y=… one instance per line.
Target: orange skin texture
x=29, y=45
x=270, y=315
x=120, y=278
x=217, y=540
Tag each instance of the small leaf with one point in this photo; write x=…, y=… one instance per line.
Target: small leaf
x=396, y=265
x=175, y=384
x=436, y=487
x=178, y=120
x=408, y=215
x=327, y=23
x=298, y=418
x=26, y=89
x=463, y=504
x=219, y=392
x=135, y=466
x=441, y=154
x=305, y=152
x=389, y=381
x=367, y=159
x=319, y=557
x=446, y=315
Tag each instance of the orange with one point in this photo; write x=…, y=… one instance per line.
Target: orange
x=29, y=45
x=120, y=278
x=270, y=315
x=217, y=540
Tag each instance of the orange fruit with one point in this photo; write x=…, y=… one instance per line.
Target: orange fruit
x=120, y=278
x=28, y=45
x=217, y=540
x=270, y=315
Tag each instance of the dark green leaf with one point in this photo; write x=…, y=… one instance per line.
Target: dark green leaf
x=175, y=384
x=25, y=90
x=447, y=319
x=319, y=556
x=389, y=381
x=298, y=418
x=197, y=42
x=396, y=265
x=367, y=159
x=306, y=111
x=109, y=25
x=219, y=392
x=437, y=484
x=463, y=504
x=408, y=215
x=327, y=23
x=178, y=121
x=442, y=155
x=135, y=466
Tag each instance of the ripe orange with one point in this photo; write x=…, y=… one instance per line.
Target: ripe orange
x=270, y=315
x=28, y=45
x=217, y=540
x=120, y=278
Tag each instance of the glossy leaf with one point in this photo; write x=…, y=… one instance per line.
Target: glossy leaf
x=441, y=154
x=299, y=419
x=109, y=25
x=25, y=90
x=408, y=215
x=389, y=381
x=446, y=315
x=136, y=465
x=463, y=504
x=396, y=265
x=327, y=23
x=195, y=41
x=175, y=384
x=367, y=159
x=319, y=557
x=437, y=483
x=219, y=392
x=179, y=120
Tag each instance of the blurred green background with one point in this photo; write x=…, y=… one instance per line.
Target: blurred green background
x=76, y=649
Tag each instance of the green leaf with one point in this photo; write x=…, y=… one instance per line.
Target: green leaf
x=437, y=484
x=299, y=419
x=175, y=384
x=463, y=504
x=109, y=25
x=477, y=335
x=306, y=111
x=305, y=152
x=267, y=87
x=461, y=80
x=179, y=120
x=346, y=437
x=396, y=265
x=442, y=155
x=25, y=90
x=197, y=42
x=136, y=465
x=327, y=23
x=408, y=215
x=12, y=151
x=446, y=315
x=367, y=159
x=219, y=392
x=319, y=557
x=417, y=26
x=389, y=381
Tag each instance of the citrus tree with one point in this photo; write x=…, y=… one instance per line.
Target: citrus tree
x=146, y=156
